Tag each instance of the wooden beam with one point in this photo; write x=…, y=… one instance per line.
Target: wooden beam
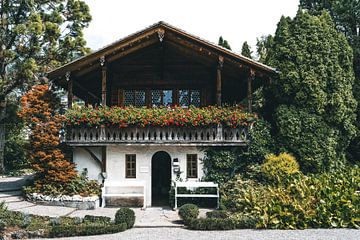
x=219, y=80
x=70, y=90
x=103, y=81
x=103, y=158
x=94, y=157
x=249, y=89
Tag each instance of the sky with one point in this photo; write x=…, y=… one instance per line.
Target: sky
x=236, y=20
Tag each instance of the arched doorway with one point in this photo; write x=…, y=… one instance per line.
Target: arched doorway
x=160, y=178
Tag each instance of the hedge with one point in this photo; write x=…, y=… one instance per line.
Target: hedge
x=85, y=230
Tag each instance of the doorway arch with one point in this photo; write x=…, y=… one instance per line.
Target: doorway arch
x=160, y=178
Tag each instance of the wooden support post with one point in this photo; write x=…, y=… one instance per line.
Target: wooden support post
x=103, y=158
x=218, y=80
x=103, y=81
x=249, y=89
x=70, y=89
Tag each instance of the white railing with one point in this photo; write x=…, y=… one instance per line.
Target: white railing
x=124, y=189
x=202, y=135
x=192, y=186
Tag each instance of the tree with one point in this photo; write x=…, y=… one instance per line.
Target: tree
x=36, y=36
x=224, y=43
x=246, y=50
x=40, y=112
x=346, y=15
x=263, y=45
x=311, y=103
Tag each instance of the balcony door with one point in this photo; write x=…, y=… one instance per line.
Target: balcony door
x=160, y=178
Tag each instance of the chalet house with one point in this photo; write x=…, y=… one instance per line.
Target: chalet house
x=158, y=66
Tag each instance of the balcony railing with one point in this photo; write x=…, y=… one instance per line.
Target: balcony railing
x=212, y=136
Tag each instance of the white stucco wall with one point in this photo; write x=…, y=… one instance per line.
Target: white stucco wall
x=115, y=163
x=83, y=160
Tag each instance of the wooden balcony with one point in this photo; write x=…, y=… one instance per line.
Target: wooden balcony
x=200, y=136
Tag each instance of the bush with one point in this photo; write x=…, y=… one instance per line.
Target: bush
x=317, y=201
x=188, y=212
x=217, y=214
x=125, y=215
x=96, y=219
x=279, y=167
x=85, y=230
x=211, y=224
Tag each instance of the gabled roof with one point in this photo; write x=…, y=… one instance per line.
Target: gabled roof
x=135, y=38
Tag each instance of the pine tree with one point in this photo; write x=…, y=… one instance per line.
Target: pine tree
x=246, y=50
x=36, y=36
x=311, y=102
x=263, y=45
x=39, y=111
x=346, y=15
x=223, y=43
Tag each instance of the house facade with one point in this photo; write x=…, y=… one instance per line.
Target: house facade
x=158, y=67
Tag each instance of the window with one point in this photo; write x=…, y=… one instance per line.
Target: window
x=134, y=98
x=161, y=98
x=130, y=166
x=191, y=166
x=189, y=97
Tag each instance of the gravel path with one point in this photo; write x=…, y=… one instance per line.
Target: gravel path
x=180, y=233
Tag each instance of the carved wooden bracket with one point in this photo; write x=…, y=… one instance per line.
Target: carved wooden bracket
x=102, y=60
x=220, y=62
x=67, y=76
x=161, y=34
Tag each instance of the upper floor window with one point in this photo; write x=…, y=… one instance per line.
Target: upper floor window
x=134, y=98
x=161, y=98
x=189, y=97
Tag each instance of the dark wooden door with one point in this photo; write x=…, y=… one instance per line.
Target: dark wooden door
x=160, y=178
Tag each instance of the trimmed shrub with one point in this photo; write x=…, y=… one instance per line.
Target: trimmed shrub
x=96, y=219
x=279, y=167
x=211, y=224
x=188, y=212
x=125, y=215
x=217, y=214
x=85, y=230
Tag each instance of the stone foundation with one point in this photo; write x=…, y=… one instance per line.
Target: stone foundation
x=76, y=201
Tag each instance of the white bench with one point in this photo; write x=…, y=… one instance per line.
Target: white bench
x=106, y=190
x=194, y=185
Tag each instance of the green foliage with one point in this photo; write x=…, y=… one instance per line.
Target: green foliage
x=313, y=92
x=263, y=45
x=217, y=214
x=96, y=219
x=315, y=201
x=224, y=43
x=125, y=215
x=246, y=50
x=346, y=15
x=15, y=144
x=188, y=212
x=211, y=224
x=223, y=223
x=80, y=185
x=85, y=230
x=219, y=164
x=2, y=226
x=279, y=167
x=308, y=137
